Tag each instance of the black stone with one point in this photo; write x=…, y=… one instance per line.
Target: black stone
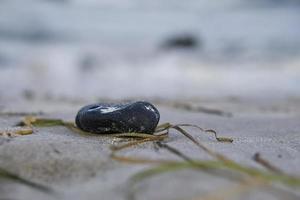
x=103, y=118
x=182, y=42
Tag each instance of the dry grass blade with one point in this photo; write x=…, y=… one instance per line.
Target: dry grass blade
x=197, y=164
x=174, y=151
x=220, y=139
x=134, y=143
x=157, y=170
x=135, y=135
x=201, y=146
x=264, y=177
x=230, y=164
x=195, y=108
x=233, y=191
x=266, y=163
x=134, y=160
x=13, y=177
x=223, y=163
x=40, y=122
x=14, y=132
x=20, y=113
x=163, y=127
x=140, y=176
x=219, y=193
x=24, y=131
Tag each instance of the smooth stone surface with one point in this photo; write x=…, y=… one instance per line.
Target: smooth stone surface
x=140, y=117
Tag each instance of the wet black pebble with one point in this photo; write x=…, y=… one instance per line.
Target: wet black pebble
x=140, y=117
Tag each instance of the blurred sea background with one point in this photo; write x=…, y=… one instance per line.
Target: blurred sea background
x=98, y=49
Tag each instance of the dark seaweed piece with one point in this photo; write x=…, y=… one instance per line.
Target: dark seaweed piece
x=139, y=117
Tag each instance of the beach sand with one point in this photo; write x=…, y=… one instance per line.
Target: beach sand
x=77, y=166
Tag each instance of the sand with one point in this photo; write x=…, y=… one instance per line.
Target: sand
x=77, y=166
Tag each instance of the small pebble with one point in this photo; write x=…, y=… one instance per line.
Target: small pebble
x=103, y=118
